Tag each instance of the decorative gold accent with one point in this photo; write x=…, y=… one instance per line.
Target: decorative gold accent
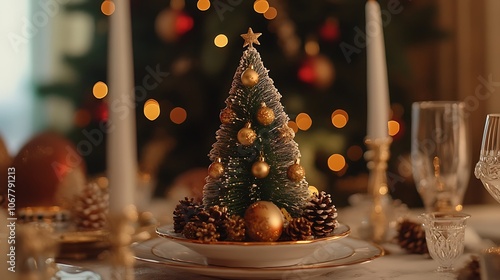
x=120, y=238
x=250, y=38
x=340, y=231
x=377, y=156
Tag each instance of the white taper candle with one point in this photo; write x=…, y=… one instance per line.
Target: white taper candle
x=377, y=83
x=121, y=138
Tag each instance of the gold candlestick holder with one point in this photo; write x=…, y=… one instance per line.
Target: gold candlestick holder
x=377, y=156
x=120, y=237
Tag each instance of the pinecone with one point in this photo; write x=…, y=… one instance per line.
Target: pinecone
x=411, y=237
x=205, y=232
x=90, y=207
x=215, y=215
x=235, y=228
x=183, y=213
x=321, y=211
x=299, y=229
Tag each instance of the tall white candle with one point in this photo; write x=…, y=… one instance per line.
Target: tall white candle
x=121, y=138
x=377, y=84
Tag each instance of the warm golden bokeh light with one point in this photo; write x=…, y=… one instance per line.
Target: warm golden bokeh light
x=313, y=190
x=151, y=109
x=271, y=13
x=178, y=115
x=340, y=118
x=355, y=153
x=203, y=5
x=293, y=126
x=108, y=7
x=220, y=40
x=393, y=127
x=303, y=121
x=312, y=47
x=336, y=162
x=261, y=6
x=100, y=90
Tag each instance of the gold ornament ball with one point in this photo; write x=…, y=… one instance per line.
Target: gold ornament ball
x=215, y=170
x=296, y=172
x=227, y=115
x=260, y=169
x=265, y=115
x=287, y=133
x=249, y=77
x=246, y=136
x=264, y=221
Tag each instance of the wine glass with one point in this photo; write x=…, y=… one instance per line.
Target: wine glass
x=488, y=167
x=440, y=153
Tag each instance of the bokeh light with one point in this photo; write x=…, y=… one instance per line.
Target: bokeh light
x=340, y=118
x=303, y=121
x=293, y=126
x=336, y=162
x=151, y=109
x=261, y=6
x=312, y=47
x=203, y=5
x=354, y=152
x=312, y=190
x=220, y=40
x=393, y=127
x=108, y=7
x=100, y=90
x=178, y=115
x=82, y=118
x=271, y=13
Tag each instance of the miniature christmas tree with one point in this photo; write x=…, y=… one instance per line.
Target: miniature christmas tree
x=255, y=157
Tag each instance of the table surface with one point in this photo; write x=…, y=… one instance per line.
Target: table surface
x=395, y=264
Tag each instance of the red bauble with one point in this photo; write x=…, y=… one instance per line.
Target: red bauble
x=48, y=172
x=330, y=30
x=318, y=71
x=5, y=161
x=171, y=24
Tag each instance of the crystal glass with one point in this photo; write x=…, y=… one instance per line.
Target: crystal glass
x=488, y=166
x=445, y=235
x=440, y=153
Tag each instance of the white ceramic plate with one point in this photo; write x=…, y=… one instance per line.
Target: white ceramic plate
x=253, y=254
x=332, y=255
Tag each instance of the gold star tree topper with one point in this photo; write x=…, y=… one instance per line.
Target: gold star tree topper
x=250, y=38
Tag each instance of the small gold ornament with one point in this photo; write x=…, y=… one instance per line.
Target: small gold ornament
x=216, y=169
x=260, y=168
x=246, y=135
x=249, y=77
x=227, y=115
x=264, y=221
x=296, y=172
x=287, y=132
x=265, y=115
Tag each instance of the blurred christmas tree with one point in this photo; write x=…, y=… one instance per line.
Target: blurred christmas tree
x=315, y=49
x=255, y=156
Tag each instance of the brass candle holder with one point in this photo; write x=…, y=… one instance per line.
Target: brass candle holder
x=120, y=237
x=377, y=156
